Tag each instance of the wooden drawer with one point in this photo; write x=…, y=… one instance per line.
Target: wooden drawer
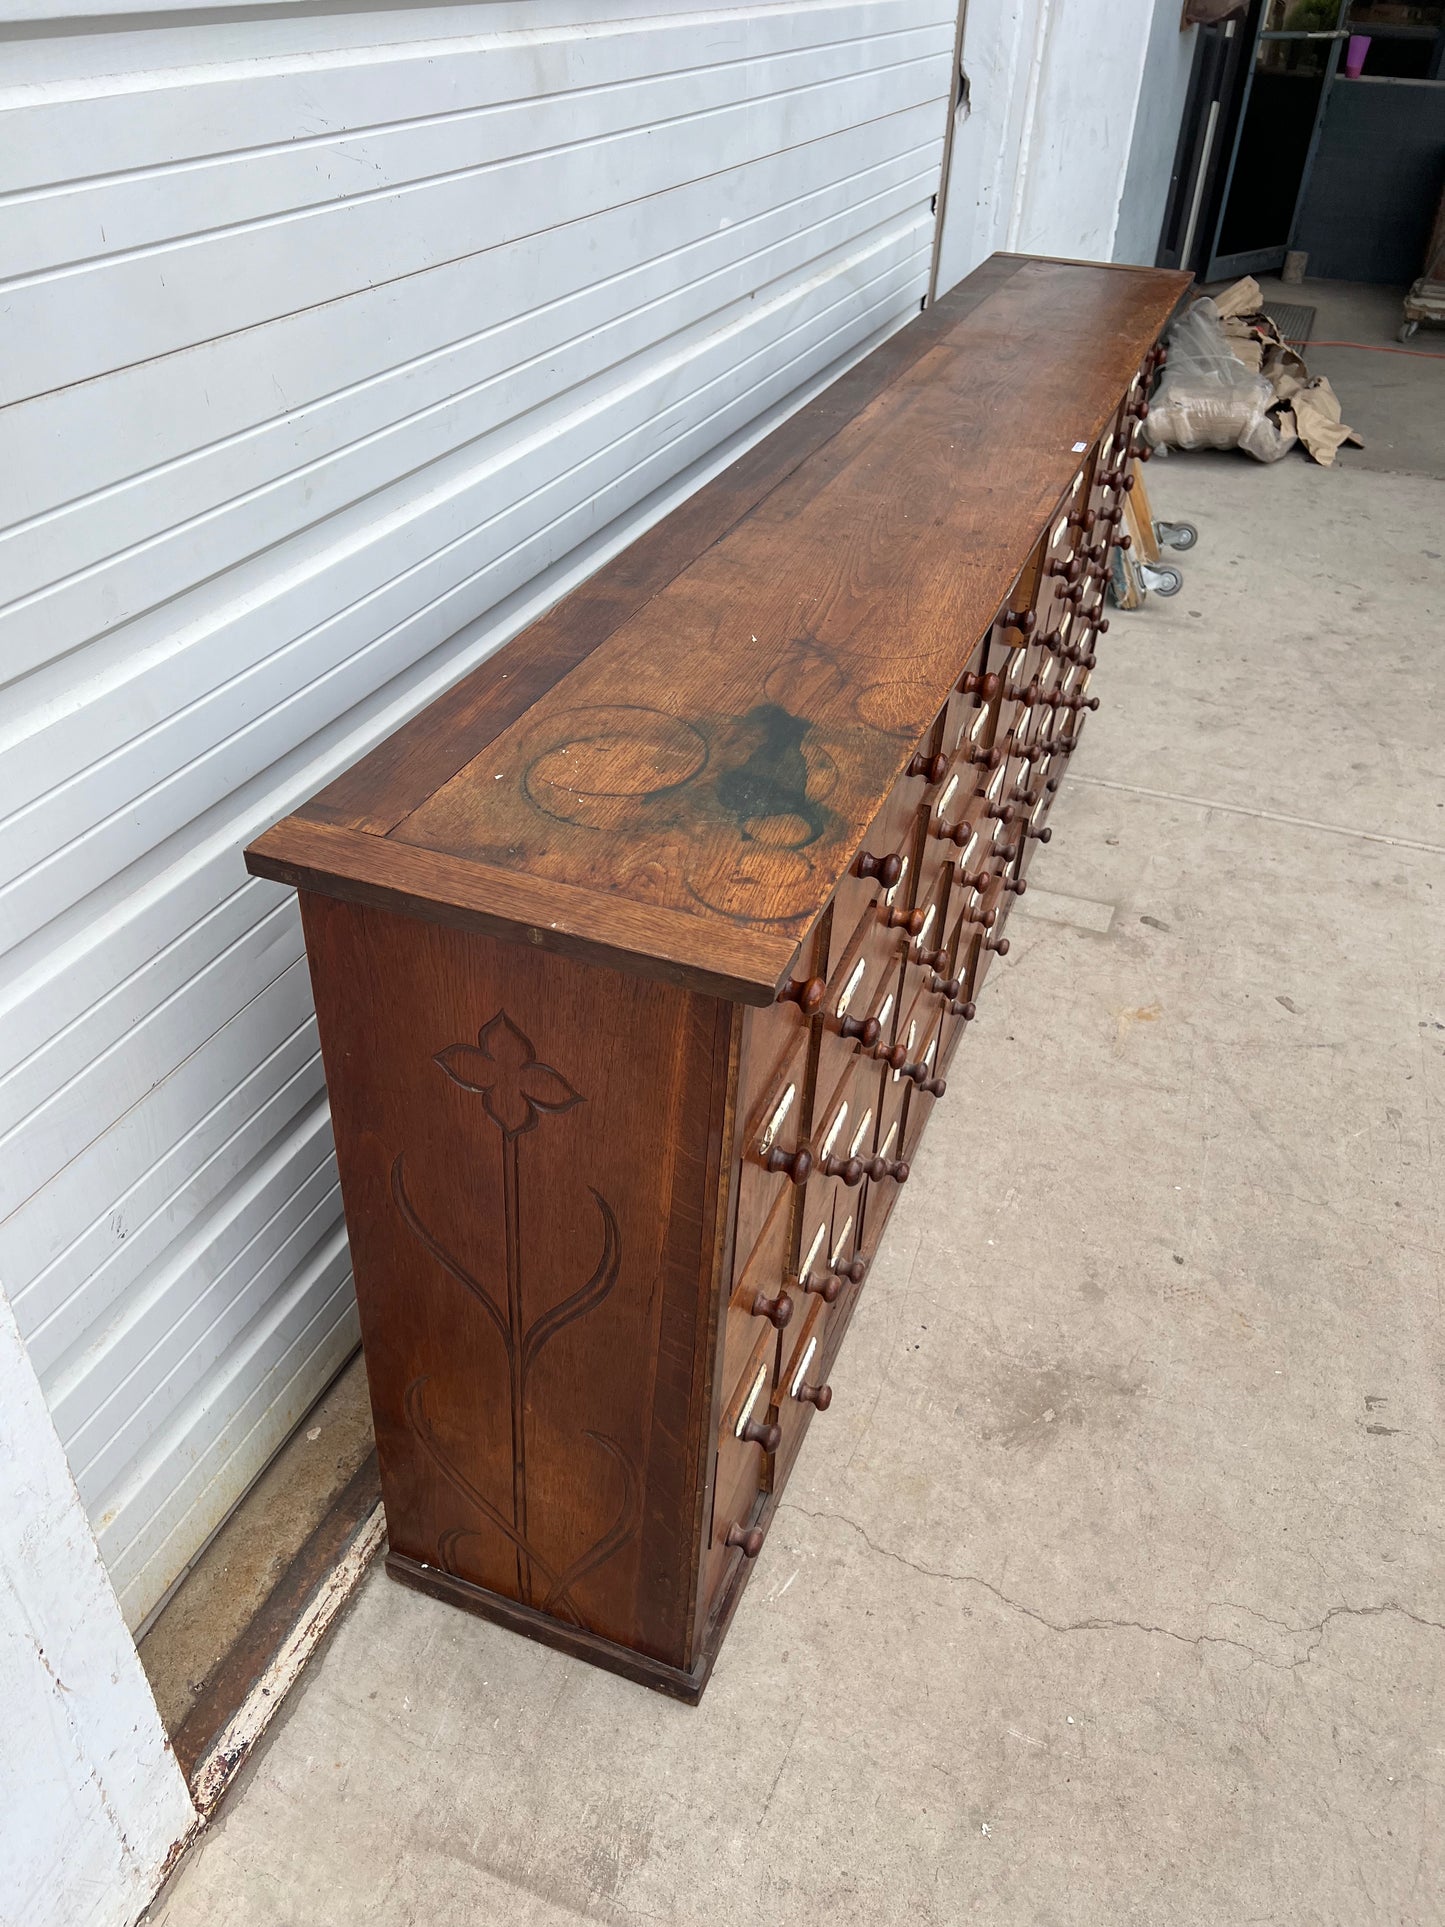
x=759, y=1294
x=801, y=1390
x=854, y=1013
x=880, y=877
x=741, y=1473
x=774, y=1134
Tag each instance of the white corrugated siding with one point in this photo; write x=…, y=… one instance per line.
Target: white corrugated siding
x=335, y=344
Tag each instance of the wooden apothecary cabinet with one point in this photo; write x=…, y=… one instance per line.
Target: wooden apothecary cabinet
x=641, y=958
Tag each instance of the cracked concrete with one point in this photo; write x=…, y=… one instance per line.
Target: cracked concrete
x=1108, y=1593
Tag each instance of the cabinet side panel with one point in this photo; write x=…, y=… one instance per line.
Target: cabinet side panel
x=527, y=1151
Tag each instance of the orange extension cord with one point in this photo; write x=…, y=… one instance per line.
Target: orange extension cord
x=1376, y=348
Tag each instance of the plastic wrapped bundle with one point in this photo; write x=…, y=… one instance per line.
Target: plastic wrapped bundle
x=1210, y=399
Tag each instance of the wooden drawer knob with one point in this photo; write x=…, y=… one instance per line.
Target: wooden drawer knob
x=893, y=1055
x=933, y=1086
x=909, y=920
x=826, y=1286
x=1016, y=884
x=819, y=1396
x=769, y=1437
x=797, y=1165
x=748, y=1540
x=955, y=833
x=949, y=987
x=973, y=684
x=966, y=1011
x=933, y=767
x=887, y=869
x=851, y=1170
x=1084, y=521
x=866, y=1030
x=1024, y=620
x=807, y=993
x=854, y=1271
x=983, y=758
x=778, y=1311
x=979, y=913
x=931, y=959
x=997, y=944
x=1044, y=835
x=1125, y=541
x=895, y=1168
x=1001, y=812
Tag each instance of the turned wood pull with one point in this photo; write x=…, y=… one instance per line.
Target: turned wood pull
x=850, y=1170
x=1040, y=836
x=998, y=944
x=967, y=1011
x=933, y=767
x=826, y=1286
x=1017, y=884
x=948, y=987
x=769, y=1437
x=1142, y=452
x=1100, y=625
x=1084, y=521
x=934, y=1086
x=893, y=1055
x=1139, y=409
x=796, y=1165
x=979, y=913
x=1024, y=620
x=806, y=992
x=983, y=758
x=973, y=684
x=887, y=869
x=978, y=879
x=853, y=1272
x=1001, y=812
x=931, y=959
x=820, y=1396
x=1125, y=541
x=778, y=1311
x=748, y=1540
x=867, y=1030
x=895, y=1168
x=909, y=920
x=957, y=834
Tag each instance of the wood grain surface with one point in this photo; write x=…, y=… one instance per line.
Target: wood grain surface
x=705, y=731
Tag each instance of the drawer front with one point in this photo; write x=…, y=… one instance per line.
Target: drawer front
x=928, y=1089
x=773, y=1147
x=802, y=1390
x=866, y=971
x=759, y=1295
x=881, y=875
x=741, y=1475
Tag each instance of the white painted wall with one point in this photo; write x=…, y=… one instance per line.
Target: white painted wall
x=1040, y=161
x=337, y=343
x=1168, y=62
x=91, y=1799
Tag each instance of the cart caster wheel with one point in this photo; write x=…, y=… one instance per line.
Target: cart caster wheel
x=1161, y=581
x=1176, y=535
x=1405, y=330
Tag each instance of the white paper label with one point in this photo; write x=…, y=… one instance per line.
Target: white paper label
x=803, y=1365
x=813, y=1249
x=751, y=1400
x=834, y=1129
x=856, y=976
x=860, y=1134
x=774, y=1124
x=842, y=1244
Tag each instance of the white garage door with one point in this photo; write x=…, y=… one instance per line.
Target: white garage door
x=334, y=345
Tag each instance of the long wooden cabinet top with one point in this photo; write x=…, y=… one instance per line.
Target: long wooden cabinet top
x=670, y=772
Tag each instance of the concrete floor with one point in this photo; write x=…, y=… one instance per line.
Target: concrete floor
x=1111, y=1590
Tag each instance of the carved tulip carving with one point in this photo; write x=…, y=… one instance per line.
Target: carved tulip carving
x=503, y=1068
